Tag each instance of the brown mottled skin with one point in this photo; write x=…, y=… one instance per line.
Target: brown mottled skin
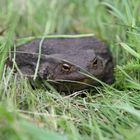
x=66, y=59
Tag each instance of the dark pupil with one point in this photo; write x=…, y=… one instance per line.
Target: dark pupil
x=66, y=67
x=95, y=62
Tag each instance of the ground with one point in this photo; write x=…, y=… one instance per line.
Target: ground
x=109, y=112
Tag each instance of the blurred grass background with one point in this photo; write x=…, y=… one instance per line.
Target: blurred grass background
x=111, y=113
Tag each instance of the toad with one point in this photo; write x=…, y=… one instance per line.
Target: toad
x=67, y=63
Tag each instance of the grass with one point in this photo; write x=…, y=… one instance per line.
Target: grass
x=110, y=112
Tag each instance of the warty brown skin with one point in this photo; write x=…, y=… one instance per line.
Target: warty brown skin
x=66, y=59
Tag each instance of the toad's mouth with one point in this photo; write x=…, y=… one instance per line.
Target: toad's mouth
x=83, y=78
x=72, y=86
x=86, y=82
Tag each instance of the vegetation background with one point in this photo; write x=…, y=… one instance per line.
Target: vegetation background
x=112, y=112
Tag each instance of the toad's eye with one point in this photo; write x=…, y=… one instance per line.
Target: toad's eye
x=94, y=63
x=66, y=67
